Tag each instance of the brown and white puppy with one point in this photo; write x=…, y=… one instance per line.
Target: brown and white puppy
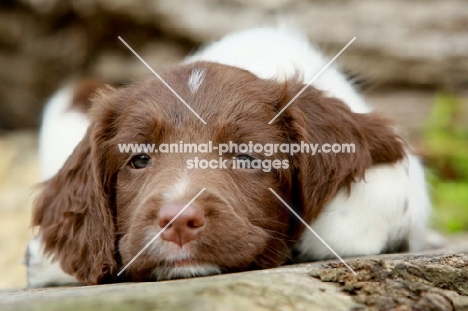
x=103, y=206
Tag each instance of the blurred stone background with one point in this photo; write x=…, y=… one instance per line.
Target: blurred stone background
x=410, y=59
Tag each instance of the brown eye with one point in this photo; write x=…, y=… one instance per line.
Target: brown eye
x=140, y=161
x=244, y=161
x=245, y=157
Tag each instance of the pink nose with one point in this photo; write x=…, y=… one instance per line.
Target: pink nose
x=186, y=227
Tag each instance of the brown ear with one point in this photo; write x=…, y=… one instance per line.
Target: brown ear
x=75, y=213
x=315, y=118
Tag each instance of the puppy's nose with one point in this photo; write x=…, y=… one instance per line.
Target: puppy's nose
x=186, y=227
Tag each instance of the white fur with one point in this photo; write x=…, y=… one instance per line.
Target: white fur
x=43, y=271
x=179, y=190
x=195, y=79
x=280, y=53
x=419, y=206
x=172, y=254
x=163, y=273
x=373, y=216
x=366, y=221
x=62, y=129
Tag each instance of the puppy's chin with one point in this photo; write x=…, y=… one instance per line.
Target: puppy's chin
x=184, y=271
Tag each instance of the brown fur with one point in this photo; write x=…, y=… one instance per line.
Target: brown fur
x=95, y=214
x=83, y=91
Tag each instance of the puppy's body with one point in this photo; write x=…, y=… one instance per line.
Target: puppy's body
x=391, y=207
x=281, y=54
x=385, y=211
x=64, y=125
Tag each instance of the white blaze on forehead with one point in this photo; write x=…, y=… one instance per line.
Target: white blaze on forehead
x=178, y=190
x=196, y=79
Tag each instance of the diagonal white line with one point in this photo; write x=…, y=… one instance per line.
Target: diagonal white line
x=159, y=233
x=313, y=231
x=311, y=81
x=164, y=82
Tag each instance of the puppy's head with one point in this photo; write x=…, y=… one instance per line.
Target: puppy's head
x=107, y=204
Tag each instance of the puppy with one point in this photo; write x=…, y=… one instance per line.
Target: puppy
x=103, y=206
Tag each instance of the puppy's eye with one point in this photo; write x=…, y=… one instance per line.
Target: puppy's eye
x=140, y=161
x=245, y=157
x=245, y=161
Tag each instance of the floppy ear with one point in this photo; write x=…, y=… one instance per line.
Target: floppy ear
x=75, y=211
x=316, y=119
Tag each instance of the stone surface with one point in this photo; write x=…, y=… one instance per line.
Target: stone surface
x=422, y=282
x=431, y=281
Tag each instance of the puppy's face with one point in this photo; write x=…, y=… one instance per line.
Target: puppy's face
x=110, y=204
x=236, y=223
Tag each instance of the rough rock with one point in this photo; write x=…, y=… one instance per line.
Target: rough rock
x=431, y=281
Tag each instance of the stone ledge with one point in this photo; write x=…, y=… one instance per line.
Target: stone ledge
x=436, y=280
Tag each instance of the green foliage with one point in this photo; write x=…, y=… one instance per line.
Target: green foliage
x=446, y=149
